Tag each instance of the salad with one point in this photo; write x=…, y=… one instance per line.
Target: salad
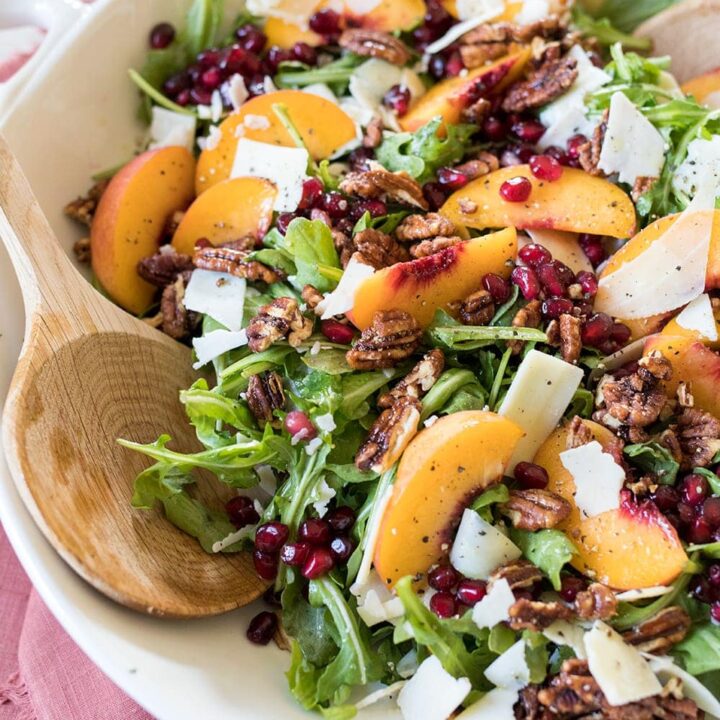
x=449, y=272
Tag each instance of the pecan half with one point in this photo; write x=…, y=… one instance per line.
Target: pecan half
x=418, y=381
x=482, y=165
x=536, y=509
x=476, y=112
x=393, y=336
x=279, y=319
x=641, y=186
x=424, y=227
x=552, y=79
x=233, y=262
x=660, y=632
x=83, y=209
x=548, y=28
x=698, y=433
x=528, y=316
x=474, y=56
x=536, y=615
x=379, y=249
x=265, y=394
x=376, y=183
x=373, y=43
x=177, y=321
x=520, y=574
x=597, y=602
x=389, y=435
x=579, y=433
x=344, y=246
x=163, y=268
x=570, y=338
x=477, y=309
x=82, y=251
x=589, y=152
x=311, y=296
x=373, y=136
x=432, y=247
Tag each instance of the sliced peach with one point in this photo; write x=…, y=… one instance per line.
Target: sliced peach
x=228, y=211
x=389, y=15
x=705, y=88
x=130, y=221
x=323, y=126
x=448, y=98
x=422, y=286
x=512, y=8
x=577, y=202
x=631, y=547
x=285, y=34
x=441, y=470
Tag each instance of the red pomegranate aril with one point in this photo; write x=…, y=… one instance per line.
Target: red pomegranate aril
x=574, y=144
x=271, y=536
x=325, y=22
x=175, y=84
x=558, y=153
x=212, y=78
x=596, y=329
x=699, y=532
x=471, y=592
x=593, y=248
x=436, y=66
x=443, y=577
x=529, y=131
x=298, y=423
x=336, y=332
x=423, y=36
x=437, y=16
x=550, y=278
x=694, y=490
x=275, y=56
x=531, y=476
x=685, y=512
x=208, y=59
x=341, y=519
x=701, y=590
x=451, y=178
x=183, y=98
x=434, y=193
x=620, y=334
x=283, y=221
x=570, y=587
x=266, y=564
x=497, y=286
x=516, y=190
x=495, y=128
x=320, y=562
x=534, y=254
x=335, y=204
x=256, y=86
x=588, y=282
x=526, y=279
x=262, y=628
x=341, y=548
x=454, y=65
x=715, y=612
x=312, y=193
x=304, y=53
x=200, y=95
x=711, y=512
x=376, y=208
x=545, y=167
x=295, y=554
x=251, y=38
x=202, y=243
x=241, y=511
x=235, y=60
x=713, y=573
x=666, y=498
x=443, y=604
x=315, y=531
x=397, y=98
x=509, y=158
x=553, y=308
x=161, y=36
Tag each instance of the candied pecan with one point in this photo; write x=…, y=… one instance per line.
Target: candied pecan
x=597, y=602
x=393, y=336
x=265, y=394
x=418, y=381
x=573, y=692
x=432, y=247
x=549, y=28
x=378, y=182
x=83, y=209
x=519, y=574
x=589, y=152
x=247, y=244
x=233, y=262
x=377, y=44
x=311, y=296
x=379, y=249
x=660, y=632
x=82, y=251
x=684, y=396
x=548, y=82
x=570, y=338
x=476, y=112
x=641, y=186
x=536, y=509
x=474, y=56
x=699, y=437
x=373, y=136
x=344, y=246
x=528, y=707
x=163, y=268
x=536, y=615
x=424, y=227
x=177, y=321
x=553, y=333
x=279, y=319
x=477, y=309
x=483, y=164
x=579, y=433
x=528, y=316
x=669, y=439
x=389, y=436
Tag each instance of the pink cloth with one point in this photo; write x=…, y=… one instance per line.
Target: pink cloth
x=43, y=674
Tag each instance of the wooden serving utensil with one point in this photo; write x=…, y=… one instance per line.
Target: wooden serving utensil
x=88, y=374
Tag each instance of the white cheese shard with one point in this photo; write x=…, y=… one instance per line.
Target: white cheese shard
x=216, y=106
x=692, y=688
x=268, y=480
x=480, y=548
x=495, y=606
x=376, y=602
x=321, y=90
x=361, y=7
x=532, y=11
x=498, y=704
x=286, y=167
x=237, y=91
x=313, y=446
x=670, y=273
x=342, y=298
x=256, y=122
x=296, y=12
x=632, y=147
x=432, y=693
x=699, y=316
x=562, y=632
x=169, y=128
x=217, y=343
x=618, y=668
x=212, y=140
x=598, y=478
x=701, y=165
x=477, y=13
x=219, y=295
x=643, y=593
x=383, y=693
x=372, y=533
x=563, y=246
x=510, y=671
x=408, y=664
x=322, y=493
x=326, y=422
x=537, y=399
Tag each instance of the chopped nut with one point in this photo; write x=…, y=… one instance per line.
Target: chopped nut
x=265, y=394
x=699, y=437
x=548, y=28
x=535, y=615
x=393, y=336
x=660, y=632
x=418, y=381
x=553, y=333
x=684, y=396
x=570, y=338
x=163, y=268
x=474, y=56
x=552, y=79
x=536, y=509
x=589, y=152
x=233, y=262
x=279, y=319
x=376, y=183
x=467, y=206
x=373, y=43
x=641, y=186
x=476, y=112
x=477, y=309
x=432, y=247
x=83, y=209
x=373, y=136
x=344, y=246
x=598, y=602
x=579, y=433
x=520, y=574
x=82, y=251
x=424, y=227
x=312, y=297
x=177, y=321
x=379, y=249
x=528, y=316
x=482, y=165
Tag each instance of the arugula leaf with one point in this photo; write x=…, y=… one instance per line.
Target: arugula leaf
x=630, y=615
x=203, y=23
x=549, y=550
x=699, y=652
x=626, y=16
x=328, y=360
x=654, y=458
x=582, y=404
x=310, y=243
x=464, y=338
x=482, y=504
x=507, y=311
x=158, y=482
x=501, y=638
x=384, y=223
x=447, y=386
x=334, y=73
x=602, y=30
x=357, y=388
x=711, y=550
x=536, y=655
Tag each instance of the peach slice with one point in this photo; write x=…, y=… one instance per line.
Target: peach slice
x=577, y=202
x=422, y=286
x=390, y=15
x=704, y=88
x=448, y=98
x=512, y=8
x=228, y=211
x=130, y=221
x=285, y=34
x=324, y=128
x=441, y=470
x=631, y=547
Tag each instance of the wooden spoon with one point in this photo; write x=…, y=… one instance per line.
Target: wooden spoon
x=89, y=374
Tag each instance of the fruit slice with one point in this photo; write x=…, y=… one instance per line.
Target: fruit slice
x=388, y=15
x=228, y=211
x=631, y=547
x=130, y=221
x=705, y=88
x=441, y=470
x=285, y=34
x=448, y=98
x=422, y=286
x=323, y=126
x=577, y=202
x=512, y=8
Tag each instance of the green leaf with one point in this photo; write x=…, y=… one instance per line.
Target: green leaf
x=311, y=244
x=483, y=503
x=711, y=477
x=465, y=338
x=501, y=639
x=330, y=361
x=447, y=386
x=159, y=482
x=506, y=312
x=202, y=25
x=602, y=30
x=582, y=404
x=626, y=16
x=652, y=457
x=154, y=94
x=549, y=550
x=536, y=655
x=357, y=388
x=711, y=550
x=337, y=72
x=700, y=650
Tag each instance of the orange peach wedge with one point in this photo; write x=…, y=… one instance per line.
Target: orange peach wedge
x=512, y=8
x=705, y=88
x=324, y=128
x=441, y=470
x=131, y=218
x=577, y=202
x=388, y=15
x=420, y=287
x=631, y=547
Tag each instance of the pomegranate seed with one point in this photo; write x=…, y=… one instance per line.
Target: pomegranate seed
x=434, y=193
x=534, y=254
x=699, y=532
x=574, y=144
x=315, y=531
x=497, y=286
x=711, y=512
x=529, y=131
x=443, y=604
x=495, y=128
x=335, y=204
x=673, y=519
x=208, y=59
x=558, y=153
x=241, y=511
x=686, y=513
x=593, y=248
x=516, y=189
x=234, y=60
x=256, y=86
x=443, y=577
x=452, y=179
x=271, y=536
x=715, y=612
x=376, y=208
x=336, y=332
x=161, y=36
x=175, y=84
x=262, y=628
x=201, y=96
x=523, y=594
x=275, y=56
x=251, y=38
x=545, y=167
x=203, y=243
x=471, y=592
x=319, y=563
x=570, y=587
x=454, y=65
x=423, y=36
x=397, y=98
x=298, y=423
x=212, y=78
x=437, y=16
x=666, y=498
x=526, y=279
x=341, y=519
x=325, y=22
x=283, y=221
x=551, y=278
x=312, y=193
x=436, y=67
x=183, y=98
x=620, y=334
x=695, y=489
x=553, y=308
x=596, y=329
x=588, y=282
x=266, y=564
x=304, y=53
x=714, y=574
x=531, y=476
x=341, y=548
x=701, y=590
x=272, y=597
x=295, y=554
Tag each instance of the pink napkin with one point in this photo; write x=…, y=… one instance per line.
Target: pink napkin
x=43, y=674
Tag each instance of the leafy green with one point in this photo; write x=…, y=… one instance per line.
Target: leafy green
x=310, y=244
x=602, y=30
x=711, y=550
x=700, y=650
x=464, y=338
x=507, y=311
x=626, y=16
x=202, y=25
x=652, y=457
x=536, y=655
x=447, y=386
x=493, y=400
x=549, y=550
x=357, y=388
x=483, y=503
x=501, y=638
x=582, y=404
x=711, y=477
x=335, y=74
x=328, y=360
x=384, y=223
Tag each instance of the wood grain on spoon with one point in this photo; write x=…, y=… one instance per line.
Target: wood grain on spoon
x=89, y=374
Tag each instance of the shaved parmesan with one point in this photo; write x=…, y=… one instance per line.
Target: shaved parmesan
x=375, y=602
x=237, y=91
x=598, y=478
x=495, y=607
x=498, y=704
x=469, y=9
x=268, y=479
x=563, y=246
x=370, y=540
x=296, y=12
x=313, y=446
x=212, y=140
x=537, y=399
x=408, y=664
x=361, y=7
x=562, y=632
x=692, y=688
x=342, y=298
x=643, y=593
x=216, y=343
x=286, y=167
x=619, y=669
x=477, y=12
x=432, y=693
x=510, y=670
x=532, y=11
x=322, y=494
x=169, y=128
x=246, y=532
x=701, y=165
x=219, y=295
x=699, y=316
x=383, y=693
x=326, y=422
x=480, y=548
